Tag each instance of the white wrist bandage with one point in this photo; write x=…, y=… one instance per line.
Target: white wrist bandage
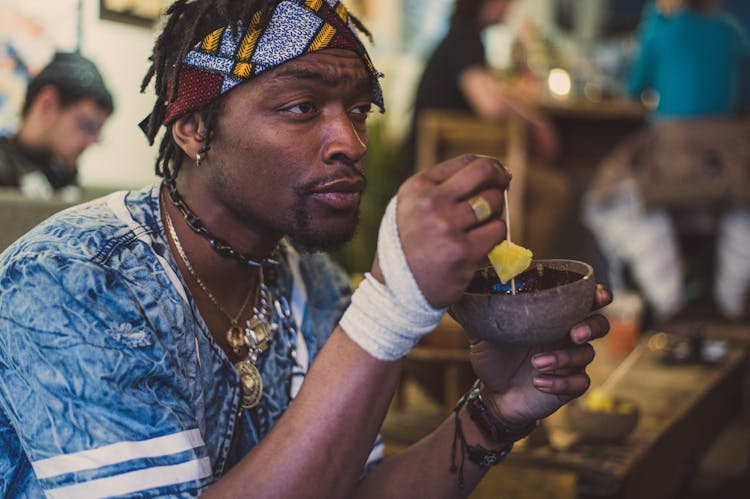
x=387, y=320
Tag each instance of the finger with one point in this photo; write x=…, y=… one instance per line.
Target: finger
x=443, y=171
x=602, y=297
x=594, y=326
x=494, y=200
x=483, y=172
x=572, y=386
x=483, y=165
x=565, y=372
x=461, y=178
x=569, y=358
x=482, y=238
x=477, y=176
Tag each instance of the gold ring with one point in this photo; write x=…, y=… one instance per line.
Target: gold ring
x=481, y=208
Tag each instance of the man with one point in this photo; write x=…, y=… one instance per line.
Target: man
x=457, y=78
x=152, y=343
x=65, y=108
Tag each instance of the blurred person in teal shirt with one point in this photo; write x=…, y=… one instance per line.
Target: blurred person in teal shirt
x=694, y=56
x=694, y=155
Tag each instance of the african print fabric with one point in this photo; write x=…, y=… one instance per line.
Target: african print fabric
x=231, y=55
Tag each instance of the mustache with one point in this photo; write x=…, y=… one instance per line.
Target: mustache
x=314, y=185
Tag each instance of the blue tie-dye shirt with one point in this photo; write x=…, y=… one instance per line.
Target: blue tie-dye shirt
x=110, y=382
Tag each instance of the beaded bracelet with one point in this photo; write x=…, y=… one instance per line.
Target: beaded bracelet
x=490, y=426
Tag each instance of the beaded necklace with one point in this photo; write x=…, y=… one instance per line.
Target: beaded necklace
x=255, y=336
x=194, y=222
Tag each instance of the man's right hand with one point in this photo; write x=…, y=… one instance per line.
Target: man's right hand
x=443, y=242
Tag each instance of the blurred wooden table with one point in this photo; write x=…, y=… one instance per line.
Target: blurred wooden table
x=683, y=409
x=605, y=109
x=590, y=130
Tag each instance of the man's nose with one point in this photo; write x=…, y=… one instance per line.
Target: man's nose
x=87, y=141
x=343, y=139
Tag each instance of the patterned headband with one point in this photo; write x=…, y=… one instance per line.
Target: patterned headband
x=229, y=56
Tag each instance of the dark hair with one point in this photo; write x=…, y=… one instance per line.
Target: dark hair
x=75, y=78
x=466, y=11
x=187, y=22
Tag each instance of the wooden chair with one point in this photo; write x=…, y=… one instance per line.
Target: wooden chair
x=445, y=134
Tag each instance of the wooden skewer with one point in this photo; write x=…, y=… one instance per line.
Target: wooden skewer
x=507, y=236
x=623, y=368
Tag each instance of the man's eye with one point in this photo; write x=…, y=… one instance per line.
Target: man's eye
x=362, y=111
x=88, y=127
x=302, y=108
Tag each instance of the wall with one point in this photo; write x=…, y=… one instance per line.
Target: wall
x=123, y=157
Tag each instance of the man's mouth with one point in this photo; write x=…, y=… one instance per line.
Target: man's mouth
x=339, y=194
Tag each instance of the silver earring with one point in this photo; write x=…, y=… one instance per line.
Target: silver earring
x=198, y=159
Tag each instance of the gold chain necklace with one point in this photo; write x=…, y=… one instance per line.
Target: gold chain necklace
x=234, y=329
x=256, y=335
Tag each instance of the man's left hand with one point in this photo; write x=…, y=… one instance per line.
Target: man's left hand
x=527, y=384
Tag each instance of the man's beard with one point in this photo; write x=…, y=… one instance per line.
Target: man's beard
x=308, y=240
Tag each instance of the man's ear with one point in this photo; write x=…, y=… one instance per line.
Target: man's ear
x=189, y=132
x=47, y=100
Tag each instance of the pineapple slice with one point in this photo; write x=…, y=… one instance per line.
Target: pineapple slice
x=598, y=401
x=509, y=260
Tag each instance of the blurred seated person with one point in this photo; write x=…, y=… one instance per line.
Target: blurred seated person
x=457, y=78
x=694, y=153
x=66, y=105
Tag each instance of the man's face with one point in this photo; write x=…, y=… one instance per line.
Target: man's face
x=286, y=156
x=494, y=11
x=73, y=129
x=667, y=7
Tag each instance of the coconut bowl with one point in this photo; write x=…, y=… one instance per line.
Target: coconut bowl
x=601, y=426
x=541, y=312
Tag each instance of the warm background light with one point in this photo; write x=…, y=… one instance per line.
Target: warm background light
x=559, y=83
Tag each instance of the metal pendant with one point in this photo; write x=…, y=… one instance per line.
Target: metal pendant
x=258, y=333
x=252, y=384
x=235, y=337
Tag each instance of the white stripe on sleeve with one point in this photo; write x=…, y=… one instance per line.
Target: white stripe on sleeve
x=135, y=481
x=118, y=453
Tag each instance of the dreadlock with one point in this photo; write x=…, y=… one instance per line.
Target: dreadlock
x=187, y=23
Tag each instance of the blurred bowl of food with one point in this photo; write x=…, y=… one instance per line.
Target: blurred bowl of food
x=602, y=417
x=550, y=297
